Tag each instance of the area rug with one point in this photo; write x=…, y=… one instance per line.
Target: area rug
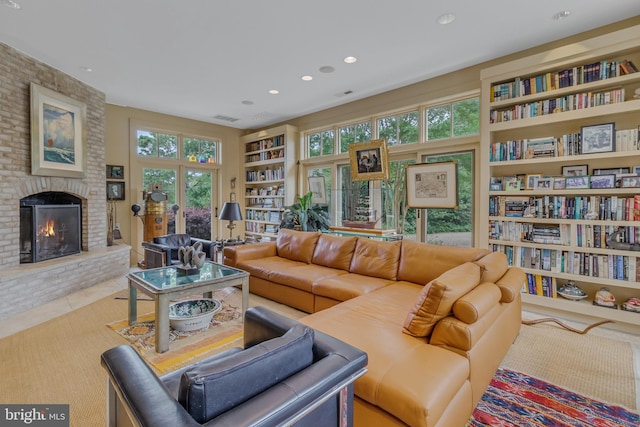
x=516, y=399
x=224, y=331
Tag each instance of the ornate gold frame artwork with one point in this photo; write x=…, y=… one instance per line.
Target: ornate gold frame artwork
x=369, y=160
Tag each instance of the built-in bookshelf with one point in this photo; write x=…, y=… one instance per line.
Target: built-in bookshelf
x=269, y=179
x=561, y=161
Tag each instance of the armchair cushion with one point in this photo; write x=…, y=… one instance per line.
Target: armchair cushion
x=210, y=389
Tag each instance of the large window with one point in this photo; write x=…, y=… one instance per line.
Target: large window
x=360, y=132
x=153, y=144
x=321, y=143
x=199, y=150
x=453, y=120
x=399, y=129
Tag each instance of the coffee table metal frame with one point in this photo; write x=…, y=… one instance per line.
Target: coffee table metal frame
x=163, y=284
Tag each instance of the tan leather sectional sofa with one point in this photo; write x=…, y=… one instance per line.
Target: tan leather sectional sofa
x=435, y=321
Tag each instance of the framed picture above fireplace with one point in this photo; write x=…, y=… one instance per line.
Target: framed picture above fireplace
x=58, y=134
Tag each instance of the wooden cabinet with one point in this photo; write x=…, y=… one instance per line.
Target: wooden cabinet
x=538, y=114
x=269, y=181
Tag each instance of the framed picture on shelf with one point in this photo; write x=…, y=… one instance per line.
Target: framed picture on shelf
x=531, y=181
x=614, y=171
x=544, y=184
x=522, y=177
x=603, y=181
x=577, y=182
x=559, y=182
x=598, y=138
x=369, y=160
x=58, y=134
x=318, y=191
x=433, y=185
x=512, y=184
x=495, y=186
x=630, y=182
x=115, y=190
x=115, y=172
x=575, y=170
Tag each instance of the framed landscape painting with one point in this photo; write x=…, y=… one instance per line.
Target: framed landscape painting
x=58, y=134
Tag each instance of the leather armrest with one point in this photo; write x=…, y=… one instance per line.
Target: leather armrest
x=137, y=386
x=236, y=254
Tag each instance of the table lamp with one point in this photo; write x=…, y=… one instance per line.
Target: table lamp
x=230, y=212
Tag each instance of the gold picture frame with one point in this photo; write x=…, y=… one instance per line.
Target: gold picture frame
x=433, y=185
x=369, y=160
x=58, y=134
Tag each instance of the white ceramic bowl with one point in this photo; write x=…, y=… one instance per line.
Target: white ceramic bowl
x=192, y=314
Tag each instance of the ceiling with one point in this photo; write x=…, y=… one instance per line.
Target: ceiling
x=203, y=59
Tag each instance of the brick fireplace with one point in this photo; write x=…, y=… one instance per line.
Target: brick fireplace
x=28, y=285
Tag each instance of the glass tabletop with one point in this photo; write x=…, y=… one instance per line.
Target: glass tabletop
x=168, y=277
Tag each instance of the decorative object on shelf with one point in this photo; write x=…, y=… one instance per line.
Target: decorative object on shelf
x=632, y=304
x=369, y=160
x=577, y=182
x=115, y=172
x=192, y=259
x=304, y=215
x=571, y=291
x=613, y=242
x=602, y=181
x=604, y=298
x=192, y=314
x=598, y=138
x=230, y=212
x=115, y=190
x=630, y=182
x=636, y=93
x=576, y=170
x=58, y=134
x=318, y=190
x=433, y=185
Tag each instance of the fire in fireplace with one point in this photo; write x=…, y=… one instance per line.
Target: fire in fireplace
x=50, y=226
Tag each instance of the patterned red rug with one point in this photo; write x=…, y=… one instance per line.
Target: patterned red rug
x=516, y=399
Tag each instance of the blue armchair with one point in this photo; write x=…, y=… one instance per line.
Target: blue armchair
x=286, y=374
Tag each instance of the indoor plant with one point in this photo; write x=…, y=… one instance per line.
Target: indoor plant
x=304, y=216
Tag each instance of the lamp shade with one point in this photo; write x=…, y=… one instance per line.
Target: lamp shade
x=230, y=212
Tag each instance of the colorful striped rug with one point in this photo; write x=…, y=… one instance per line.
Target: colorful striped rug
x=516, y=399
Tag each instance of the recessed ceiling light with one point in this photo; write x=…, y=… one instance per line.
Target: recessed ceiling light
x=350, y=59
x=86, y=69
x=247, y=102
x=326, y=69
x=446, y=18
x=11, y=4
x=307, y=78
x=274, y=91
x=562, y=14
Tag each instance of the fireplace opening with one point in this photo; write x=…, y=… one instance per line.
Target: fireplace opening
x=50, y=226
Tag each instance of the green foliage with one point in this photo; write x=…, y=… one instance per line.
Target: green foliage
x=303, y=214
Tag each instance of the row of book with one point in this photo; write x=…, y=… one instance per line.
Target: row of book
x=565, y=78
x=595, y=236
x=566, y=145
x=571, y=102
x=256, y=227
x=265, y=191
x=264, y=144
x=267, y=216
x=548, y=234
x=267, y=174
x=265, y=155
x=565, y=207
x=615, y=267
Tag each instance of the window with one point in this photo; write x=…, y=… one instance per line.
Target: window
x=166, y=177
x=360, y=132
x=152, y=144
x=395, y=214
x=454, y=120
x=399, y=129
x=199, y=150
x=321, y=143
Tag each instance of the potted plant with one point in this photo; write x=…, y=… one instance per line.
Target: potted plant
x=302, y=215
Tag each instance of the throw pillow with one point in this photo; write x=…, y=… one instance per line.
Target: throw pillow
x=436, y=299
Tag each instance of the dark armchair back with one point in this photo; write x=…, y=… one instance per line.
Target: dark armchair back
x=170, y=243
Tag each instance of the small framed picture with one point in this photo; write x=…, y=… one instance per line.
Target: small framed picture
x=603, y=181
x=636, y=169
x=559, y=182
x=115, y=172
x=115, y=190
x=614, y=171
x=511, y=184
x=531, y=181
x=598, y=138
x=630, y=182
x=575, y=170
x=522, y=177
x=495, y=186
x=544, y=184
x=576, y=182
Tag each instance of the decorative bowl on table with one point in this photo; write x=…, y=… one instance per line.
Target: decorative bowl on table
x=571, y=291
x=192, y=314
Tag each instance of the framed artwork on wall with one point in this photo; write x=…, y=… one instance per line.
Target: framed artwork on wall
x=115, y=190
x=318, y=190
x=58, y=134
x=115, y=172
x=369, y=160
x=433, y=185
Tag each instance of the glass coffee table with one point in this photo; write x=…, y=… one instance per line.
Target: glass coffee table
x=164, y=283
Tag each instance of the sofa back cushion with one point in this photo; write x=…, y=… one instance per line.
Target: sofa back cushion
x=214, y=387
x=296, y=245
x=334, y=251
x=422, y=262
x=436, y=299
x=376, y=258
x=173, y=240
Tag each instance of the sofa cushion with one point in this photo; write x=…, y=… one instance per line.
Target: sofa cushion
x=334, y=251
x=475, y=304
x=303, y=276
x=494, y=266
x=375, y=258
x=263, y=267
x=437, y=298
x=210, y=389
x=296, y=245
x=423, y=262
x=347, y=286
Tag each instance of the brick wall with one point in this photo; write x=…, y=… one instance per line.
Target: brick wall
x=17, y=72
